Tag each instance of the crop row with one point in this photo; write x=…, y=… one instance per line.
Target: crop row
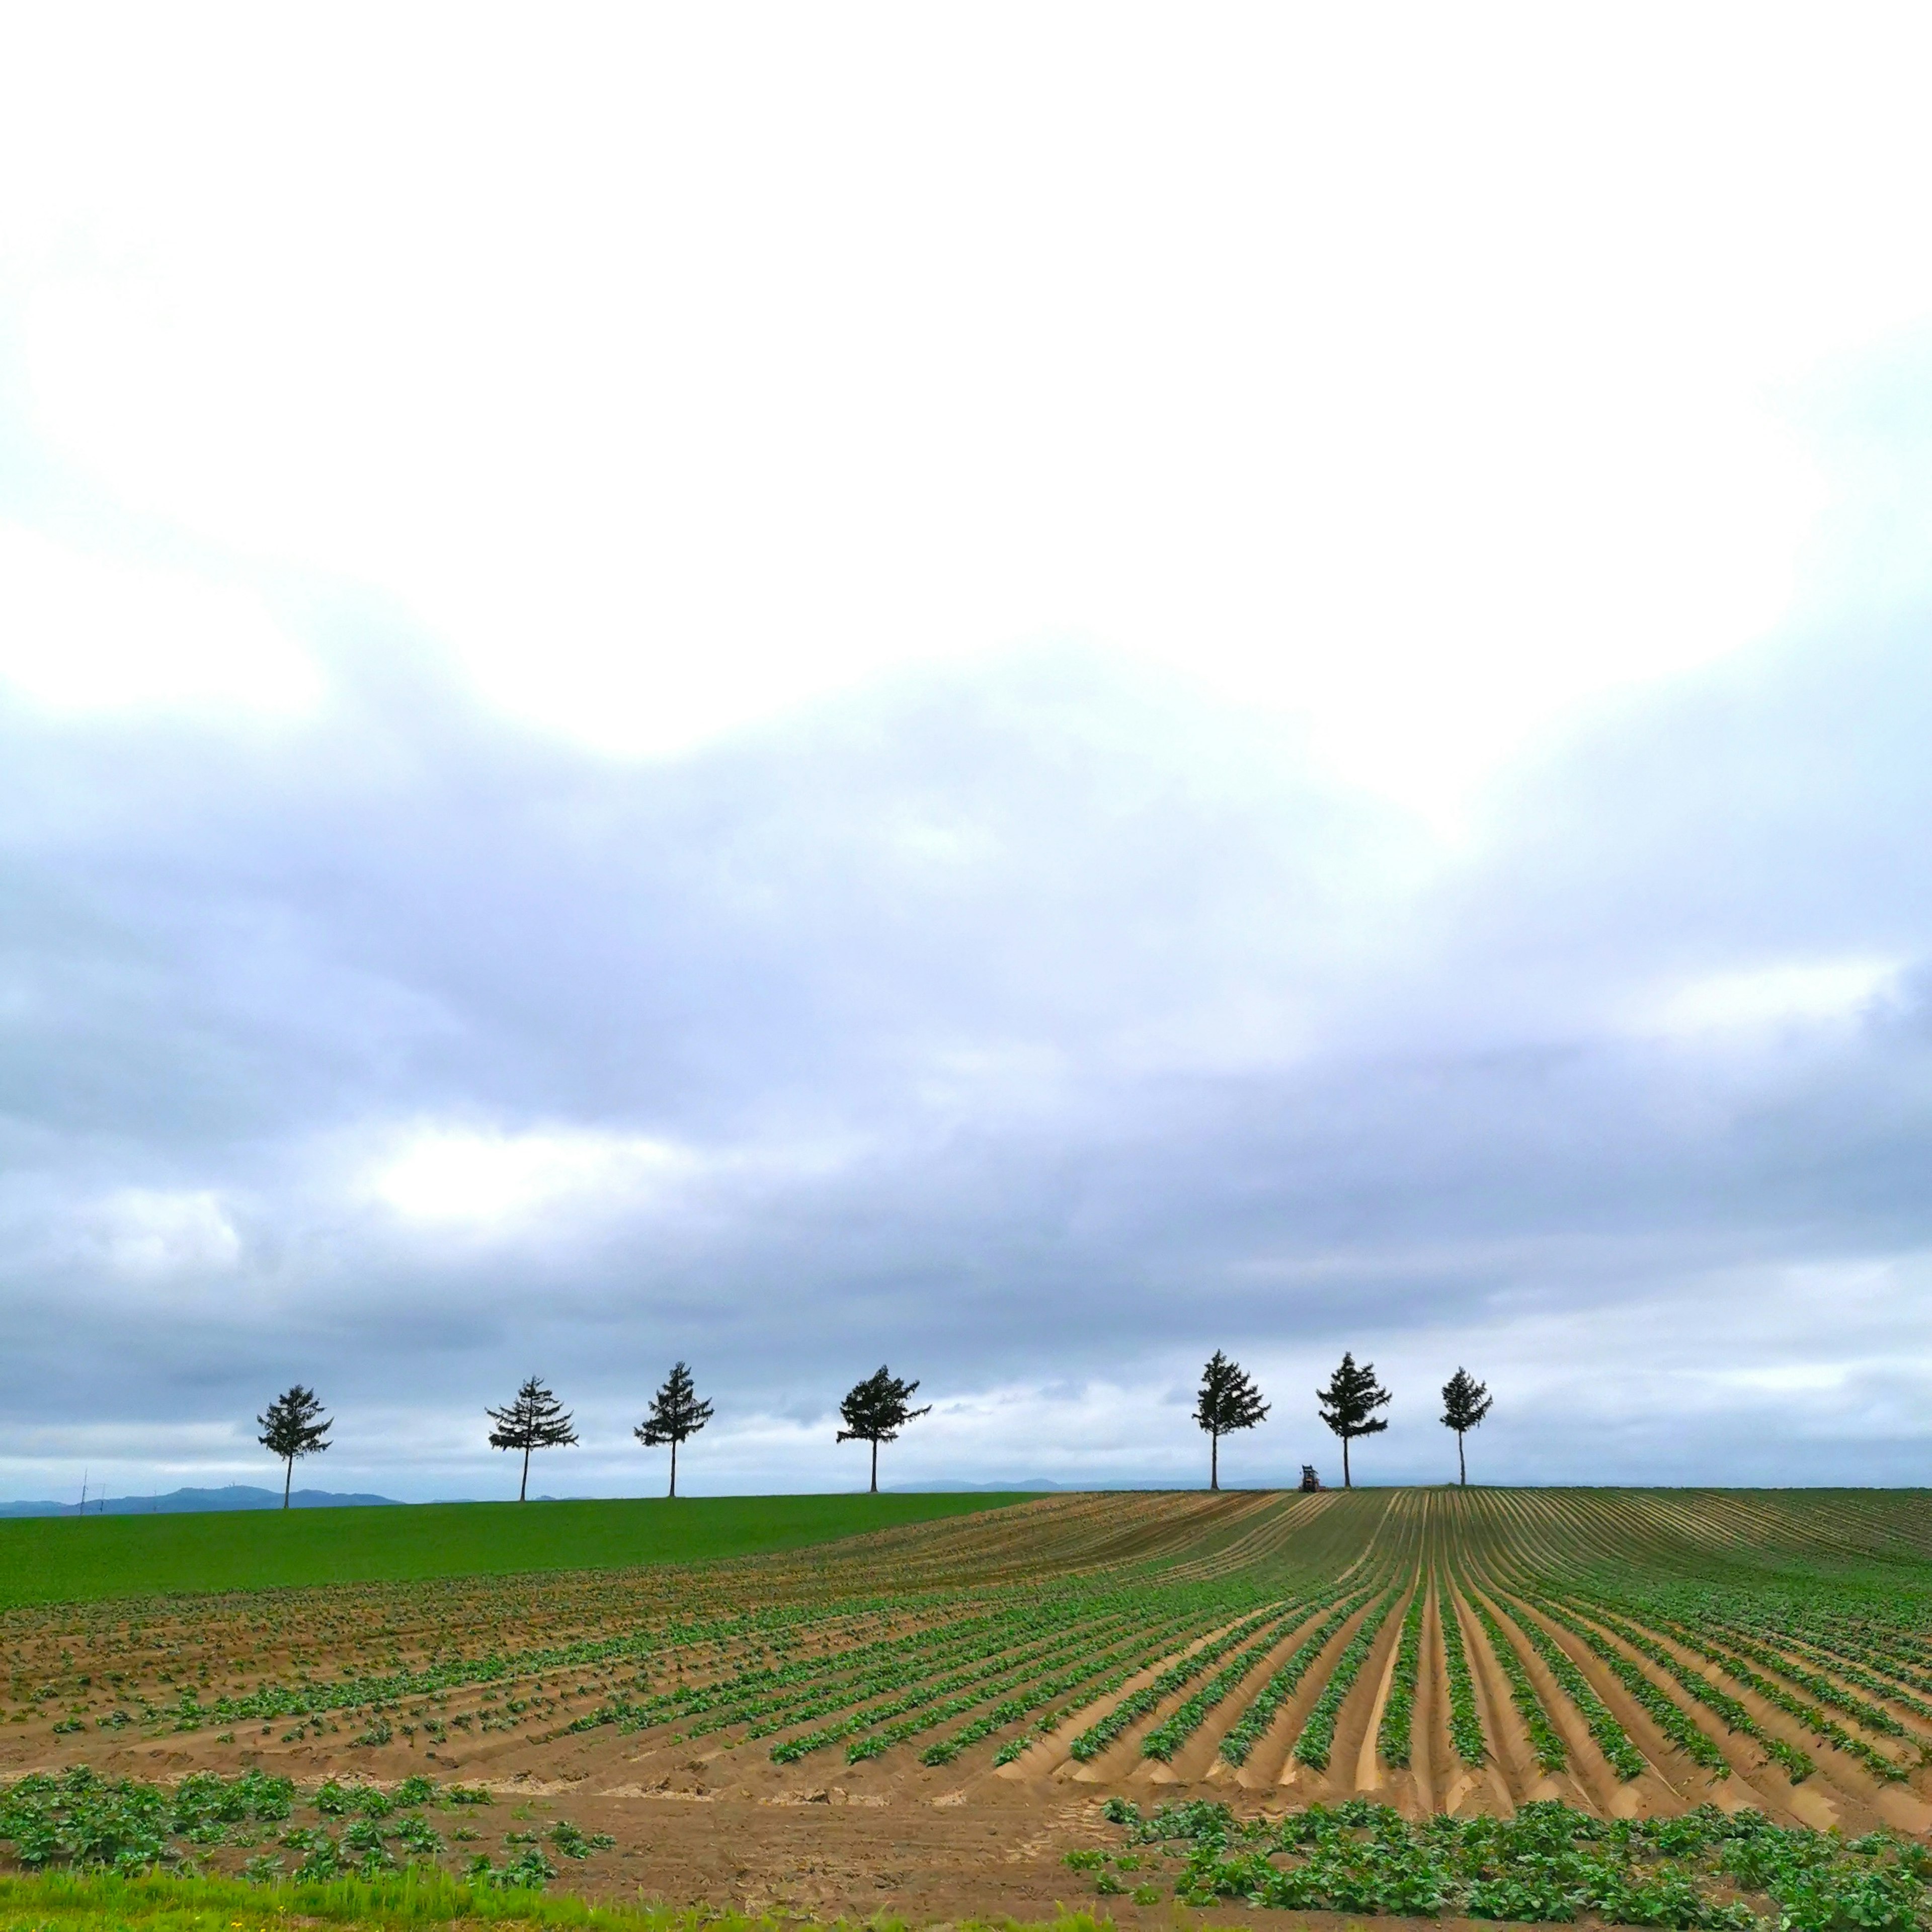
x=1812, y=1719
x=1612, y=1739
x=1816, y=1650
x=1318, y=1733
x=755, y=1690
x=934, y=1701
x=1092, y=1741
x=1466, y=1722
x=1254, y=1720
x=1399, y=1713
x=1823, y=1688
x=1545, y=1742
x=1181, y=1724
x=1665, y=1712
x=985, y=1662
x=1114, y=1667
x=928, y=1693
x=1548, y=1863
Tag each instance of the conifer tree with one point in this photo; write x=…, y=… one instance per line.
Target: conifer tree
x=289, y=1428
x=536, y=1420
x=1465, y=1402
x=874, y=1410
x=1228, y=1401
x=1348, y=1404
x=676, y=1415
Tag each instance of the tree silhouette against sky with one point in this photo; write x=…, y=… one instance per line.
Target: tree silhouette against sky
x=675, y=1416
x=1228, y=1401
x=535, y=1420
x=874, y=1410
x=289, y=1428
x=1465, y=1402
x=1348, y=1404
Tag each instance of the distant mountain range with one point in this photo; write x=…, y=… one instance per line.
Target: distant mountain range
x=236, y=1496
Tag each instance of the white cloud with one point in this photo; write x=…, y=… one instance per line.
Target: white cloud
x=490, y=1180
x=1780, y=993
x=89, y=632
x=1374, y=375
x=154, y=1232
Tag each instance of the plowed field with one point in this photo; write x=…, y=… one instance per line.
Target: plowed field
x=927, y=1719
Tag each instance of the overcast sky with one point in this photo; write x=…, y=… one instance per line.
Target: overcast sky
x=1020, y=690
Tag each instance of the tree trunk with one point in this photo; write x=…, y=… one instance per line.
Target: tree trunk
x=524, y=1487
x=1460, y=1464
x=1214, y=1463
x=1345, y=1483
x=674, y=1465
x=288, y=1477
x=875, y=1466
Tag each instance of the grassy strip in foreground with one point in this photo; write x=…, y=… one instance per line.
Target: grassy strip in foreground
x=82, y=1559
x=100, y=1902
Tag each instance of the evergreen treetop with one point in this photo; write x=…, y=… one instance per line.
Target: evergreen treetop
x=1228, y=1401
x=1349, y=1404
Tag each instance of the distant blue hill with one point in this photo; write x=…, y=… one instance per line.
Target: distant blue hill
x=236, y=1496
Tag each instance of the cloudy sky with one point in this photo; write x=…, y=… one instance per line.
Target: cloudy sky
x=1018, y=690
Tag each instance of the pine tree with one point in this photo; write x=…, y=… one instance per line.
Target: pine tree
x=1348, y=1403
x=536, y=1420
x=289, y=1428
x=875, y=1410
x=676, y=1415
x=1465, y=1402
x=1228, y=1401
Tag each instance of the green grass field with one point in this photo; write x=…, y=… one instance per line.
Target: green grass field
x=81, y=1559
x=90, y=1901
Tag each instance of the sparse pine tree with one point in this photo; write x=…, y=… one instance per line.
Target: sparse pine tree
x=1229, y=1401
x=1465, y=1402
x=875, y=1410
x=676, y=1415
x=291, y=1428
x=536, y=1420
x=1348, y=1404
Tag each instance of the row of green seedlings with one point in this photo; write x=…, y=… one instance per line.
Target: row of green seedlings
x=1094, y=1676
x=1465, y=1719
x=1843, y=1635
x=1814, y=1720
x=1318, y=1733
x=1254, y=1722
x=1180, y=1630
x=1548, y=1863
x=307, y=1698
x=1097, y=1736
x=769, y=1696
x=82, y=1820
x=932, y=1701
x=1545, y=1742
x=1395, y=1738
x=725, y=1700
x=1167, y=1737
x=1668, y=1716
x=917, y=1660
x=1611, y=1738
x=1863, y=1634
x=1744, y=1634
x=1820, y=1650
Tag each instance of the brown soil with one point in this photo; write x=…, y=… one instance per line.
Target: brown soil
x=712, y=1820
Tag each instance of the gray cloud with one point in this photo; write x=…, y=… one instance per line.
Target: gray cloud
x=1039, y=1029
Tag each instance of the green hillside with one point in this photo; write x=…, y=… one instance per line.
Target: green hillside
x=70, y=1559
